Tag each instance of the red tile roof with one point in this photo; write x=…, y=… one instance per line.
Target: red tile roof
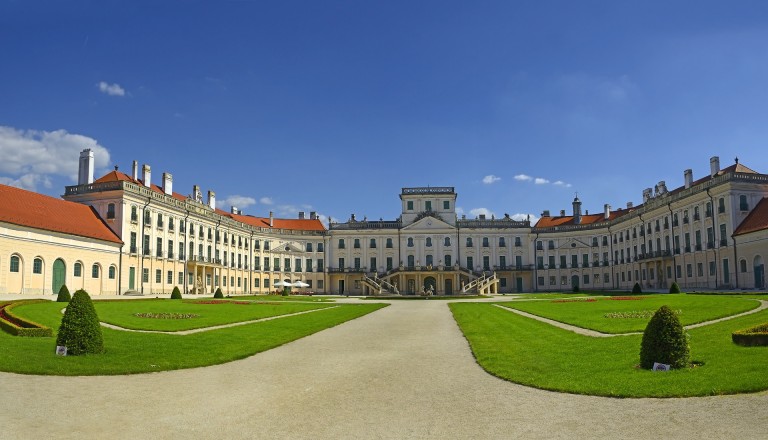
x=26, y=208
x=550, y=222
x=757, y=220
x=259, y=222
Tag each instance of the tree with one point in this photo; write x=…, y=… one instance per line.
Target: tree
x=636, y=288
x=664, y=341
x=63, y=295
x=80, y=331
x=218, y=293
x=176, y=294
x=674, y=288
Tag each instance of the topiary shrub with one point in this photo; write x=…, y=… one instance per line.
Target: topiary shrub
x=176, y=294
x=637, y=289
x=674, y=288
x=664, y=341
x=64, y=295
x=80, y=331
x=218, y=293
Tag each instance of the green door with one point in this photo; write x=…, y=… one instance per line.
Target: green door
x=59, y=275
x=519, y=282
x=449, y=287
x=131, y=278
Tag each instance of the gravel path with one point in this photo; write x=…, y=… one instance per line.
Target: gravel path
x=596, y=334
x=401, y=372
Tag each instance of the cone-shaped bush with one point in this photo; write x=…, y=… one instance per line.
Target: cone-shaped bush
x=218, y=293
x=176, y=294
x=80, y=331
x=674, y=288
x=664, y=341
x=637, y=289
x=64, y=295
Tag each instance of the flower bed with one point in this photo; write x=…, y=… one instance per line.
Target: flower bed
x=635, y=314
x=751, y=337
x=166, y=315
x=221, y=301
x=19, y=326
x=625, y=298
x=572, y=300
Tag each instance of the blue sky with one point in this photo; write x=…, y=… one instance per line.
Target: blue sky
x=333, y=106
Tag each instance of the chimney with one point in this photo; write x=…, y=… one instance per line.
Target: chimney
x=606, y=211
x=714, y=166
x=196, y=194
x=630, y=205
x=135, y=174
x=576, y=211
x=85, y=173
x=647, y=193
x=271, y=219
x=545, y=213
x=312, y=215
x=212, y=199
x=146, y=175
x=661, y=188
x=168, y=183
x=688, y=178
x=234, y=210
x=301, y=215
x=562, y=213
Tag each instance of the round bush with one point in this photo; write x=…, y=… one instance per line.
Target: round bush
x=636, y=288
x=674, y=288
x=80, y=331
x=64, y=295
x=218, y=293
x=176, y=294
x=664, y=341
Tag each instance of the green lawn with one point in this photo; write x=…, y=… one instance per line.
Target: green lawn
x=131, y=352
x=280, y=298
x=533, y=353
x=419, y=297
x=590, y=314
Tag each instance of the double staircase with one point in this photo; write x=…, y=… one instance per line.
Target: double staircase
x=379, y=286
x=483, y=285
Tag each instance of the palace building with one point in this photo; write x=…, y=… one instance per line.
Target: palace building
x=123, y=233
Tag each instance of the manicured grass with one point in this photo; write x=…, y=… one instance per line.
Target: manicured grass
x=281, y=298
x=419, y=297
x=549, y=295
x=131, y=352
x=121, y=313
x=590, y=314
x=533, y=353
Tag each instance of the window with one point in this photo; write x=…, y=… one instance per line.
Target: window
x=700, y=269
x=688, y=270
x=159, y=248
x=95, y=271
x=169, y=279
x=540, y=262
x=147, y=217
x=159, y=220
x=411, y=261
x=448, y=261
x=743, y=205
x=372, y=267
x=320, y=265
x=429, y=242
x=540, y=281
x=469, y=242
x=111, y=211
x=78, y=269
x=552, y=280
x=297, y=265
x=356, y=244
x=111, y=272
x=502, y=243
x=606, y=278
x=287, y=262
x=341, y=243
x=134, y=214
x=485, y=241
x=446, y=205
x=721, y=205
x=447, y=241
x=158, y=276
x=389, y=263
x=341, y=263
x=726, y=273
x=428, y=205
x=410, y=242
x=309, y=265
x=743, y=265
x=320, y=247
x=713, y=268
x=145, y=275
x=518, y=243
x=388, y=245
x=256, y=282
x=409, y=205
x=170, y=223
x=181, y=277
x=37, y=265
x=486, y=262
x=586, y=279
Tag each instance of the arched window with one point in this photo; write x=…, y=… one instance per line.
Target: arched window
x=37, y=265
x=743, y=265
x=15, y=263
x=95, y=271
x=111, y=211
x=410, y=242
x=429, y=242
x=111, y=272
x=447, y=241
x=78, y=269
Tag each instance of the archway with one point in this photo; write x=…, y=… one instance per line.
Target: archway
x=59, y=277
x=759, y=272
x=430, y=285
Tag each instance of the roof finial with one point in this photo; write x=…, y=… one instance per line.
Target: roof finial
x=737, y=160
x=116, y=165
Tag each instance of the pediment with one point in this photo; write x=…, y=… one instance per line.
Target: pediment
x=428, y=223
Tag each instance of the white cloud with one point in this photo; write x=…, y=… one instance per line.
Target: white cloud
x=266, y=201
x=490, y=179
x=240, y=202
x=459, y=211
x=540, y=181
x=32, y=157
x=522, y=216
x=111, y=89
x=523, y=177
x=561, y=183
x=481, y=211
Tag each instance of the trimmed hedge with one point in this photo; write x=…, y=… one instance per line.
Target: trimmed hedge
x=664, y=341
x=674, y=288
x=80, y=330
x=18, y=326
x=636, y=288
x=63, y=296
x=751, y=337
x=176, y=294
x=218, y=293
